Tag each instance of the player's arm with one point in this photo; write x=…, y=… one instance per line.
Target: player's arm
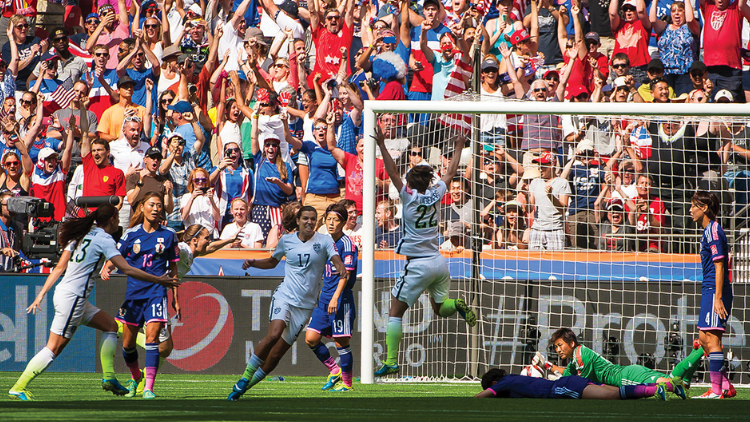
x=165, y=280
x=52, y=278
x=263, y=264
x=450, y=172
x=718, y=303
x=343, y=278
x=488, y=393
x=175, y=302
x=390, y=165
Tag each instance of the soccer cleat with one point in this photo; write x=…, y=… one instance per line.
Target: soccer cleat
x=469, y=316
x=333, y=379
x=387, y=370
x=341, y=387
x=132, y=386
x=114, y=386
x=148, y=394
x=22, y=395
x=679, y=387
x=710, y=395
x=239, y=389
x=728, y=394
x=661, y=391
x=141, y=383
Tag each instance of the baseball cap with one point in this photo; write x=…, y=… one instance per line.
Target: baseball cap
x=530, y=174
x=125, y=80
x=576, y=91
x=433, y=2
x=724, y=94
x=619, y=82
x=630, y=3
x=290, y=8
x=153, y=152
x=615, y=204
x=57, y=32
x=585, y=145
x=655, y=64
x=518, y=36
x=550, y=72
x=196, y=9
x=92, y=15
x=593, y=36
x=545, y=158
x=255, y=34
x=513, y=204
x=181, y=107
x=45, y=153
x=105, y=8
x=172, y=50
x=49, y=56
x=697, y=66
x=489, y=63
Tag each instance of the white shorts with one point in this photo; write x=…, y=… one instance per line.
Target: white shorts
x=422, y=274
x=295, y=318
x=164, y=334
x=71, y=311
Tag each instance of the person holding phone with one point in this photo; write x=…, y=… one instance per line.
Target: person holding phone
x=199, y=203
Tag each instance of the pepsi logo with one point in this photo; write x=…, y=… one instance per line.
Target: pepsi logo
x=203, y=336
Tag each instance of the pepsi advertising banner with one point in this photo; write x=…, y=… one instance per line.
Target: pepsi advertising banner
x=23, y=334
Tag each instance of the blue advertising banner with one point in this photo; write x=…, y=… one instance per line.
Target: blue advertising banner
x=23, y=334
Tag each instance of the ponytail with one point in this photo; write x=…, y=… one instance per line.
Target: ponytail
x=74, y=229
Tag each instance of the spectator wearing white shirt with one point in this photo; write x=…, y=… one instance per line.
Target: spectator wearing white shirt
x=198, y=206
x=252, y=234
x=276, y=20
x=127, y=154
x=234, y=33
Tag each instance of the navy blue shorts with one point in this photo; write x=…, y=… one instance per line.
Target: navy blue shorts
x=568, y=388
x=141, y=312
x=708, y=320
x=338, y=325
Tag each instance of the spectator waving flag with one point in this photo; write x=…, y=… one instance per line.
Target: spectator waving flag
x=458, y=82
x=77, y=51
x=60, y=98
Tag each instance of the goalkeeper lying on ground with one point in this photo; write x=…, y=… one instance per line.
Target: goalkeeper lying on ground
x=498, y=383
x=587, y=363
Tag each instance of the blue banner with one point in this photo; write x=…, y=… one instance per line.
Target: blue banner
x=23, y=334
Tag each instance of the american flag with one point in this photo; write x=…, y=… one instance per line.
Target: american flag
x=517, y=12
x=458, y=82
x=60, y=98
x=77, y=51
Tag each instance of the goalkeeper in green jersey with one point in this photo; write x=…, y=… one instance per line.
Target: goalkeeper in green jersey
x=589, y=364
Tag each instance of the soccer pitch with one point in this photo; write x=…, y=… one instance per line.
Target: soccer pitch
x=79, y=397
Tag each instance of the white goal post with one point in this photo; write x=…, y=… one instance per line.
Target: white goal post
x=373, y=108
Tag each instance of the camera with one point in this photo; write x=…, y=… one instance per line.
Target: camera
x=647, y=360
x=611, y=348
x=33, y=207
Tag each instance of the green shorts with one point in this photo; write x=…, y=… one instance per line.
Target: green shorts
x=637, y=374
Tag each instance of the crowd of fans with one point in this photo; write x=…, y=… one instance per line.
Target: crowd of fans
x=232, y=111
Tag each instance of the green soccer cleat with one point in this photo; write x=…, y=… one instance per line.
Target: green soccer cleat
x=148, y=394
x=387, y=370
x=661, y=392
x=333, y=379
x=469, y=316
x=114, y=386
x=132, y=386
x=341, y=387
x=141, y=383
x=22, y=395
x=679, y=387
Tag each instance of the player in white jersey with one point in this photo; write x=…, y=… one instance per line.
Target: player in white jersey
x=306, y=253
x=425, y=268
x=85, y=246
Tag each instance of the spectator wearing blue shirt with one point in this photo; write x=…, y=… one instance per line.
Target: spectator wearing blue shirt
x=134, y=65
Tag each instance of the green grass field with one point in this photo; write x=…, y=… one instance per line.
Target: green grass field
x=78, y=397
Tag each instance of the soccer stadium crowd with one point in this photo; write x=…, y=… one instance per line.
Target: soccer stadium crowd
x=230, y=111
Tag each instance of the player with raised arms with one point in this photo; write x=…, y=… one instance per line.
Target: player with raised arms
x=497, y=383
x=151, y=246
x=716, y=292
x=425, y=268
x=307, y=253
x=335, y=313
x=86, y=240
x=589, y=364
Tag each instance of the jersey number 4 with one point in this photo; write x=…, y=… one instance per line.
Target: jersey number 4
x=81, y=255
x=424, y=220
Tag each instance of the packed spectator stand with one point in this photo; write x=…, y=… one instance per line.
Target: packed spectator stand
x=232, y=111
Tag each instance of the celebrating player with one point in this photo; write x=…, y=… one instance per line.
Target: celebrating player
x=587, y=363
x=152, y=247
x=716, y=292
x=84, y=246
x=425, y=268
x=334, y=316
x=293, y=301
x=497, y=383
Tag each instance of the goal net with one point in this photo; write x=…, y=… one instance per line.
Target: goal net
x=569, y=215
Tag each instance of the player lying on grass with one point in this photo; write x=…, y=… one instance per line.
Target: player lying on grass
x=306, y=252
x=587, y=363
x=85, y=243
x=425, y=268
x=498, y=383
x=334, y=315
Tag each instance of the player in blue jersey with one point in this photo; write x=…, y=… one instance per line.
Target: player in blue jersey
x=425, y=268
x=86, y=241
x=153, y=247
x=498, y=383
x=716, y=292
x=307, y=253
x=334, y=315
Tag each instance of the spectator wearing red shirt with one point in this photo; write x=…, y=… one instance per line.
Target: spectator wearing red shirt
x=632, y=33
x=48, y=178
x=649, y=217
x=722, y=41
x=329, y=37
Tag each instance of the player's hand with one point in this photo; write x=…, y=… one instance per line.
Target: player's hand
x=104, y=273
x=333, y=305
x=35, y=305
x=719, y=308
x=168, y=281
x=177, y=310
x=248, y=263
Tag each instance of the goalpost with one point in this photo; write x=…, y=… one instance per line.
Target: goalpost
x=631, y=307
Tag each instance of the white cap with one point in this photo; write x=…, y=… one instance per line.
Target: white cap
x=196, y=9
x=619, y=82
x=629, y=3
x=45, y=153
x=724, y=94
x=586, y=144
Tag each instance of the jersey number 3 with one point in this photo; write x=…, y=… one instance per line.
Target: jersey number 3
x=424, y=220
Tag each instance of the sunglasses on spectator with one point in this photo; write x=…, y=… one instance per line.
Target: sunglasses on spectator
x=540, y=89
x=200, y=180
x=29, y=102
x=93, y=21
x=265, y=104
x=320, y=128
x=552, y=78
x=696, y=74
x=332, y=17
x=151, y=26
x=101, y=54
x=568, y=45
x=619, y=66
x=23, y=25
x=271, y=145
x=59, y=39
x=166, y=100
x=414, y=153
x=582, y=97
x=132, y=119
x=380, y=27
x=12, y=163
x=229, y=151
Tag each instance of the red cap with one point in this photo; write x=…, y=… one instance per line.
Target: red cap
x=519, y=36
x=576, y=90
x=545, y=158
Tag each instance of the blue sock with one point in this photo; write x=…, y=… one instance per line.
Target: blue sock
x=152, y=355
x=347, y=364
x=321, y=351
x=715, y=364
